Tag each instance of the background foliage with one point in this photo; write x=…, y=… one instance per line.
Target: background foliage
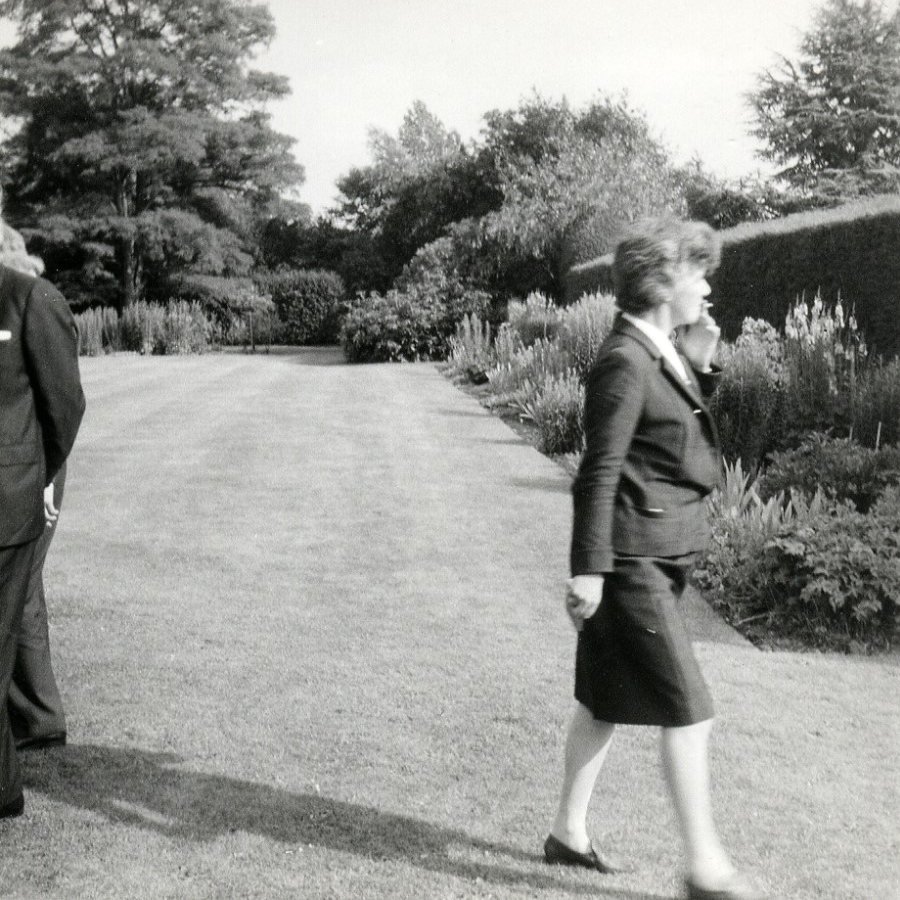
x=143, y=152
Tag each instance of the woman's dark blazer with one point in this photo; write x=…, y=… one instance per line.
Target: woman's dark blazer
x=652, y=454
x=41, y=401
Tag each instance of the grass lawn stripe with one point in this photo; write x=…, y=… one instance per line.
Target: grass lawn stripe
x=307, y=622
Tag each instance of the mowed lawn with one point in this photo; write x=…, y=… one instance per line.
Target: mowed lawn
x=307, y=622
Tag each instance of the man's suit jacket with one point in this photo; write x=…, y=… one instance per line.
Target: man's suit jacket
x=41, y=401
x=651, y=456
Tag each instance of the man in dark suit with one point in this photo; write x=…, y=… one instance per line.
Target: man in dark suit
x=41, y=407
x=651, y=457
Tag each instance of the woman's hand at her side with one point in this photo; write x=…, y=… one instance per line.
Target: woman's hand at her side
x=583, y=596
x=51, y=513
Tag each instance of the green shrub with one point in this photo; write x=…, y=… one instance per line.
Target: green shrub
x=556, y=407
x=535, y=319
x=583, y=327
x=876, y=411
x=400, y=326
x=185, y=329
x=417, y=318
x=523, y=356
x=388, y=328
x=741, y=523
x=837, y=575
x=308, y=303
x=506, y=346
x=816, y=572
x=747, y=404
x=98, y=331
x=471, y=349
x=527, y=366
x=180, y=327
x=90, y=332
x=823, y=351
x=839, y=467
x=142, y=327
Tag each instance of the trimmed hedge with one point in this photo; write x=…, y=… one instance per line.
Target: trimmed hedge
x=850, y=252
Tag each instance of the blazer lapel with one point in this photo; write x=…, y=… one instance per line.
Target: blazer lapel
x=690, y=391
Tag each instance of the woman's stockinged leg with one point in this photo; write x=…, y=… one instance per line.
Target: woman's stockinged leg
x=686, y=766
x=587, y=743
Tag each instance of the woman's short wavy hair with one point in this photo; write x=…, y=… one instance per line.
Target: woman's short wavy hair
x=646, y=260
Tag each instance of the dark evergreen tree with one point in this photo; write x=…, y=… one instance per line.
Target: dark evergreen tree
x=144, y=156
x=831, y=118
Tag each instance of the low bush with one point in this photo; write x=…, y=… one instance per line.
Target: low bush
x=98, y=331
x=532, y=365
x=798, y=571
x=185, y=329
x=748, y=402
x=741, y=523
x=823, y=352
x=583, y=327
x=837, y=575
x=179, y=327
x=537, y=318
x=471, y=349
x=309, y=304
x=141, y=327
x=556, y=407
x=416, y=319
x=400, y=326
x=876, y=408
x=839, y=467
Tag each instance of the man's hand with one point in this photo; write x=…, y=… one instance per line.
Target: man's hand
x=583, y=596
x=51, y=513
x=698, y=341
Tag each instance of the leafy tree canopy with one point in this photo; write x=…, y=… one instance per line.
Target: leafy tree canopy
x=571, y=180
x=832, y=117
x=417, y=183
x=144, y=152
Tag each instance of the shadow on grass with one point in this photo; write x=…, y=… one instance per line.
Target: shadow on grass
x=475, y=413
x=148, y=790
x=311, y=356
x=562, y=484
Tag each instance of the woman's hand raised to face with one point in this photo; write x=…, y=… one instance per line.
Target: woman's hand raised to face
x=698, y=342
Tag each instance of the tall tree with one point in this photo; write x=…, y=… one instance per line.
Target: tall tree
x=832, y=117
x=145, y=152
x=571, y=180
x=416, y=184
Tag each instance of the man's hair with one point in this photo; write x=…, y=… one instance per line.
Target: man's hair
x=645, y=261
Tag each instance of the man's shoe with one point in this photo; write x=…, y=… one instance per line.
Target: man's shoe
x=736, y=888
x=556, y=853
x=41, y=741
x=13, y=808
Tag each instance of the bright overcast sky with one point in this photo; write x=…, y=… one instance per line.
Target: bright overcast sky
x=360, y=63
x=687, y=64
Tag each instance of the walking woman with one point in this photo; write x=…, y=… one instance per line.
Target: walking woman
x=651, y=457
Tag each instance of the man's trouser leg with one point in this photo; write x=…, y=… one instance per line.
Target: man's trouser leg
x=15, y=572
x=35, y=707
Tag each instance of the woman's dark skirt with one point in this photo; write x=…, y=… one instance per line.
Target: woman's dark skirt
x=635, y=664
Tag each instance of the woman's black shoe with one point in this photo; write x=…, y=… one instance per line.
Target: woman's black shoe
x=556, y=853
x=13, y=808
